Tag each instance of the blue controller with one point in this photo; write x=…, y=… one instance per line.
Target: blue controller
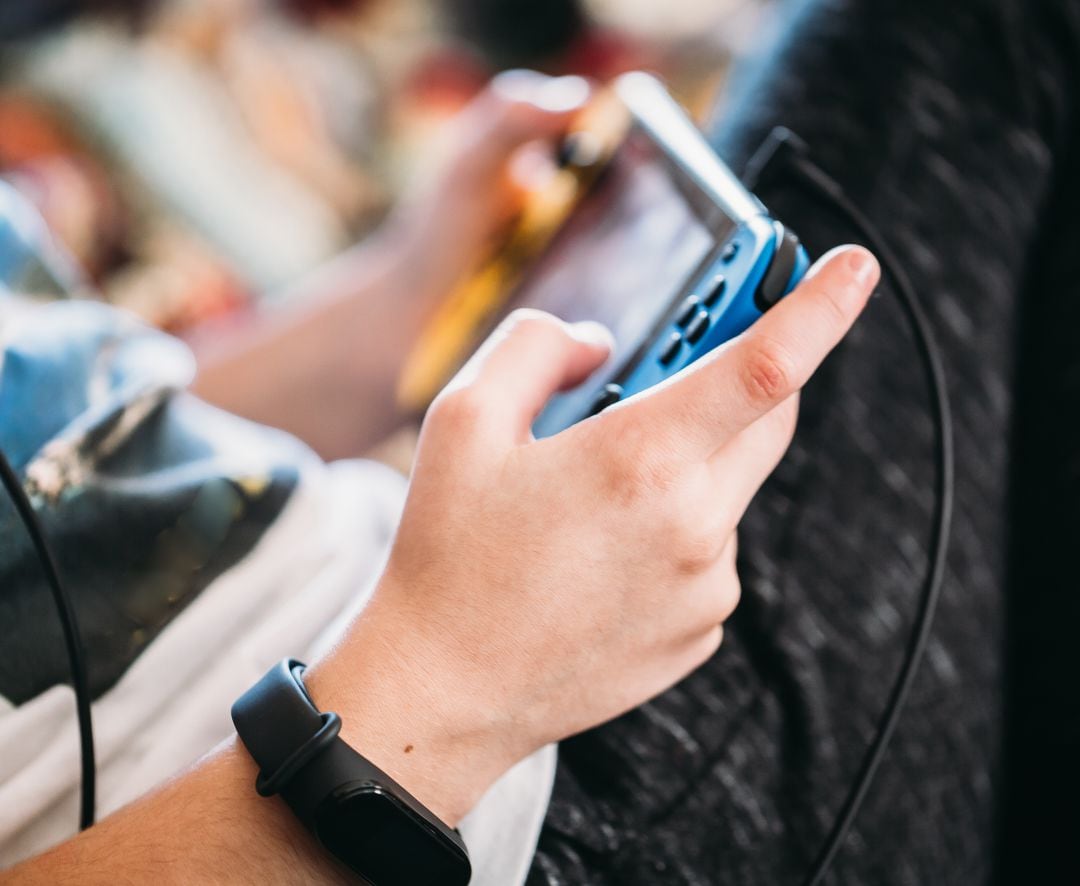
x=759, y=265
x=674, y=196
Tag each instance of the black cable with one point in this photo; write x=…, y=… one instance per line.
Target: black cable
x=72, y=637
x=817, y=180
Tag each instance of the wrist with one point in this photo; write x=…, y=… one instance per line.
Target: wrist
x=373, y=282
x=406, y=251
x=400, y=709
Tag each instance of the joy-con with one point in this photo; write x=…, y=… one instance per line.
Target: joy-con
x=756, y=262
x=760, y=264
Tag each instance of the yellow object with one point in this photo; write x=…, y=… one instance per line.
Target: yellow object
x=478, y=302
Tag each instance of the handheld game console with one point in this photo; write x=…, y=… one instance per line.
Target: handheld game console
x=649, y=233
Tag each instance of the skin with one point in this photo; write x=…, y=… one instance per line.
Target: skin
x=324, y=365
x=534, y=589
x=543, y=586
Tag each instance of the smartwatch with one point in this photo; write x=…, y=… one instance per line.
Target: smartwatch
x=360, y=815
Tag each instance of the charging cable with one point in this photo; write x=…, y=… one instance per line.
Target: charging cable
x=784, y=156
x=72, y=637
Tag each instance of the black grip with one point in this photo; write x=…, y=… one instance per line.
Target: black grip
x=774, y=284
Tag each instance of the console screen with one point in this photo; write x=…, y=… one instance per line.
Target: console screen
x=626, y=252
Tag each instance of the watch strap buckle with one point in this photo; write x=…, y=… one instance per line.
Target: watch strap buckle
x=268, y=785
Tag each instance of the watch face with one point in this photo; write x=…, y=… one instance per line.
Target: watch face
x=381, y=839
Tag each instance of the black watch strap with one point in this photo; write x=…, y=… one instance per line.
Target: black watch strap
x=301, y=757
x=281, y=727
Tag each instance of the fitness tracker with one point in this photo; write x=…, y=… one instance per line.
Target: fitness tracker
x=357, y=812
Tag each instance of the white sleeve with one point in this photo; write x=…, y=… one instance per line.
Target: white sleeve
x=310, y=573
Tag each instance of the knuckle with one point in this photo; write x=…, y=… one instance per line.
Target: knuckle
x=653, y=473
x=697, y=544
x=456, y=410
x=768, y=373
x=710, y=644
x=729, y=594
x=506, y=86
x=501, y=101
x=530, y=322
x=696, y=554
x=635, y=470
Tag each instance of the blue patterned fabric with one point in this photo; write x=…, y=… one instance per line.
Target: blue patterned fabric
x=146, y=493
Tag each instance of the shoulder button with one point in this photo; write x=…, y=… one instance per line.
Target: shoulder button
x=774, y=284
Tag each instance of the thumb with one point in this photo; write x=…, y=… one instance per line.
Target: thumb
x=530, y=357
x=518, y=107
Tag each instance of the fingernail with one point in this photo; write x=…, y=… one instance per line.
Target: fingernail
x=864, y=266
x=592, y=333
x=561, y=94
x=556, y=95
x=518, y=84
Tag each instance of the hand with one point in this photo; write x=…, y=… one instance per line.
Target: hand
x=335, y=353
x=538, y=588
x=503, y=141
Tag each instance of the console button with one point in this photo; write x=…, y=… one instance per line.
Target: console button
x=717, y=290
x=671, y=349
x=697, y=327
x=688, y=311
x=730, y=251
x=611, y=395
x=774, y=285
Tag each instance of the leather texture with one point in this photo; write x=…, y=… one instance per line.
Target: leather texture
x=147, y=494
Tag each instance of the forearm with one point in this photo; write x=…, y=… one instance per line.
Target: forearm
x=399, y=709
x=206, y=826
x=324, y=365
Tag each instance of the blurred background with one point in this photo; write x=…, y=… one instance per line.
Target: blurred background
x=197, y=156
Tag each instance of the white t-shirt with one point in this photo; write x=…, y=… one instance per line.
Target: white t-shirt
x=199, y=550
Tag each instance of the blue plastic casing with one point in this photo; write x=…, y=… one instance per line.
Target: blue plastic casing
x=730, y=315
x=721, y=301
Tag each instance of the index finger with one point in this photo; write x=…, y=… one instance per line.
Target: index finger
x=519, y=106
x=709, y=402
